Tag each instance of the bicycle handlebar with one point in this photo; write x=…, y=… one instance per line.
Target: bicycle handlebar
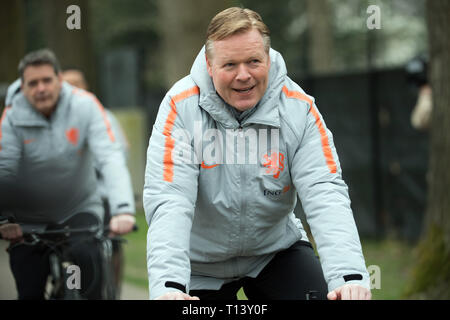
x=135, y=228
x=40, y=230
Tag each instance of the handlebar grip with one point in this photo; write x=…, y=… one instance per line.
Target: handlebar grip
x=134, y=229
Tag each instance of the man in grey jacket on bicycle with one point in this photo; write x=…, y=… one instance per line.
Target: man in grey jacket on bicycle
x=50, y=135
x=219, y=198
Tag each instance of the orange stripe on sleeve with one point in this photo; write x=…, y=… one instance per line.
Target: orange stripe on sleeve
x=1, y=121
x=167, y=131
x=102, y=110
x=323, y=135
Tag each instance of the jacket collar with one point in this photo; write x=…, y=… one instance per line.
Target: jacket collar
x=266, y=112
x=24, y=114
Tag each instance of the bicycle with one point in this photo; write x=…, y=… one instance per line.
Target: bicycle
x=62, y=267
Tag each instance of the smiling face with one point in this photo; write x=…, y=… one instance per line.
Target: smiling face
x=41, y=86
x=239, y=67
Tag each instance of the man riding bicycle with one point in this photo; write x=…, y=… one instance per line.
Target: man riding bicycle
x=50, y=136
x=219, y=198
x=76, y=78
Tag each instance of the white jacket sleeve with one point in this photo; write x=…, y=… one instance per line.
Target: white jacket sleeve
x=10, y=154
x=316, y=174
x=110, y=160
x=169, y=197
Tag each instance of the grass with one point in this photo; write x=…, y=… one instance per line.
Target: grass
x=135, y=254
x=393, y=257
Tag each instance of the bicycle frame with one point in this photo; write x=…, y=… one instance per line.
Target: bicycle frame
x=56, y=241
x=59, y=261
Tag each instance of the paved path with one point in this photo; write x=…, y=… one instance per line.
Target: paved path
x=8, y=287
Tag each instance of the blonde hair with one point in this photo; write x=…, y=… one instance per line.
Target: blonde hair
x=232, y=21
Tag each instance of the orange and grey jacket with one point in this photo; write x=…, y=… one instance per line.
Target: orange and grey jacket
x=215, y=215
x=47, y=165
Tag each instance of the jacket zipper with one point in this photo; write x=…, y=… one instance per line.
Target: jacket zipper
x=243, y=202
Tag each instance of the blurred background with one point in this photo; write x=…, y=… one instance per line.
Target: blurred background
x=133, y=51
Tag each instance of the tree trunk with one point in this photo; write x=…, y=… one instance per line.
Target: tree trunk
x=320, y=36
x=431, y=274
x=72, y=47
x=183, y=32
x=12, y=36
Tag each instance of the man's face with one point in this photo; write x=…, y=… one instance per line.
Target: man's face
x=41, y=87
x=239, y=67
x=75, y=78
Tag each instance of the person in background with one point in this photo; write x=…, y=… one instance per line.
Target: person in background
x=77, y=79
x=416, y=71
x=50, y=135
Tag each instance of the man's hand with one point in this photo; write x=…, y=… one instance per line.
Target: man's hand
x=11, y=232
x=350, y=292
x=176, y=295
x=122, y=223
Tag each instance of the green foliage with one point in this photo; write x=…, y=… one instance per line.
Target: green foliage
x=118, y=23
x=402, y=34
x=430, y=278
x=395, y=259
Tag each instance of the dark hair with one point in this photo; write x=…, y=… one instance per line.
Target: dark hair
x=39, y=57
x=417, y=70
